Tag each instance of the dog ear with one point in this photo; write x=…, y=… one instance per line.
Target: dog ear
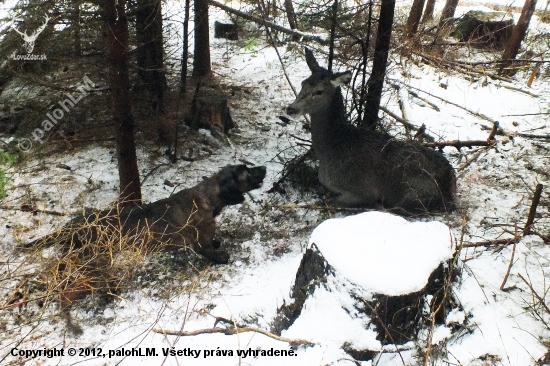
x=230, y=193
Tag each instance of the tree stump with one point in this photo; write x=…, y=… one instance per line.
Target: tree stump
x=484, y=29
x=210, y=111
x=226, y=30
x=396, y=314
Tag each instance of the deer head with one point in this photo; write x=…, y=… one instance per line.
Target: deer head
x=30, y=39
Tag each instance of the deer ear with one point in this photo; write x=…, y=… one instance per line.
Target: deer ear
x=311, y=61
x=341, y=78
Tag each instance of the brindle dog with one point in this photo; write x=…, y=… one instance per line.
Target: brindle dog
x=91, y=241
x=185, y=219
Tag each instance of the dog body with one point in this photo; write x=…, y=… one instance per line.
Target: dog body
x=183, y=220
x=94, y=242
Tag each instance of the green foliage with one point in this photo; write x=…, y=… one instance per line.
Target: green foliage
x=251, y=45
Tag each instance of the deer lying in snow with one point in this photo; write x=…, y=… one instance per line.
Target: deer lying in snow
x=366, y=168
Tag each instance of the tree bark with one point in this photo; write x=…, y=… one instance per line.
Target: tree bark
x=116, y=25
x=185, y=51
x=290, y=14
x=429, y=11
x=448, y=11
x=201, y=63
x=518, y=34
x=414, y=18
x=380, y=60
x=150, y=50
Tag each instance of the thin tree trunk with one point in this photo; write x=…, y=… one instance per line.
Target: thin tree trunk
x=201, y=63
x=448, y=11
x=117, y=54
x=76, y=26
x=429, y=11
x=290, y=14
x=518, y=34
x=185, y=52
x=332, y=34
x=414, y=18
x=150, y=50
x=380, y=60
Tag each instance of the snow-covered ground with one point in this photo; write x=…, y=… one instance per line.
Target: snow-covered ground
x=267, y=237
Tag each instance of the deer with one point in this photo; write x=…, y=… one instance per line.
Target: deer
x=363, y=167
x=30, y=39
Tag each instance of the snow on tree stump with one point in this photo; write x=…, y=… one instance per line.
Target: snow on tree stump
x=210, y=111
x=485, y=29
x=374, y=267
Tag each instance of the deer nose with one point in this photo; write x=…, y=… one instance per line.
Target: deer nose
x=290, y=110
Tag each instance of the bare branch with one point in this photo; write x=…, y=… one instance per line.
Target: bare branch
x=232, y=331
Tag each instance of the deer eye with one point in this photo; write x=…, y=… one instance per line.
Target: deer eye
x=318, y=92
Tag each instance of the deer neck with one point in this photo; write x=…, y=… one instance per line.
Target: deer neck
x=328, y=124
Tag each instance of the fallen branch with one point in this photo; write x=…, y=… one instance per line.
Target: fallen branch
x=486, y=243
x=399, y=119
x=314, y=207
x=541, y=300
x=526, y=229
x=27, y=208
x=480, y=115
x=502, y=288
x=233, y=331
x=533, y=210
x=460, y=144
x=472, y=159
x=267, y=23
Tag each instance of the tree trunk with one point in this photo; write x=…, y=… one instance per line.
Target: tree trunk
x=518, y=34
x=414, y=18
x=290, y=14
x=380, y=60
x=201, y=62
x=429, y=11
x=76, y=27
x=117, y=54
x=332, y=34
x=150, y=51
x=185, y=51
x=210, y=111
x=448, y=11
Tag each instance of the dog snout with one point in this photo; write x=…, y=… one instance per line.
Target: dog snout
x=257, y=175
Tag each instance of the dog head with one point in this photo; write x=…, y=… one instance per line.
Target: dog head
x=234, y=180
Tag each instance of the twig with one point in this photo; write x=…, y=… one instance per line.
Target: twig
x=278, y=183
x=533, y=210
x=399, y=119
x=493, y=131
x=27, y=208
x=472, y=159
x=541, y=300
x=526, y=229
x=460, y=144
x=233, y=331
x=532, y=136
x=314, y=207
x=480, y=115
x=509, y=268
x=486, y=243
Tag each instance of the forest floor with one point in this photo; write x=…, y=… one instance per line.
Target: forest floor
x=496, y=321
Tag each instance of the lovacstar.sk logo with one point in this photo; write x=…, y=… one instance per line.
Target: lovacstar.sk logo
x=29, y=40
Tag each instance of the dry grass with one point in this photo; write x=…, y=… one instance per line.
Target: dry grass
x=97, y=258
